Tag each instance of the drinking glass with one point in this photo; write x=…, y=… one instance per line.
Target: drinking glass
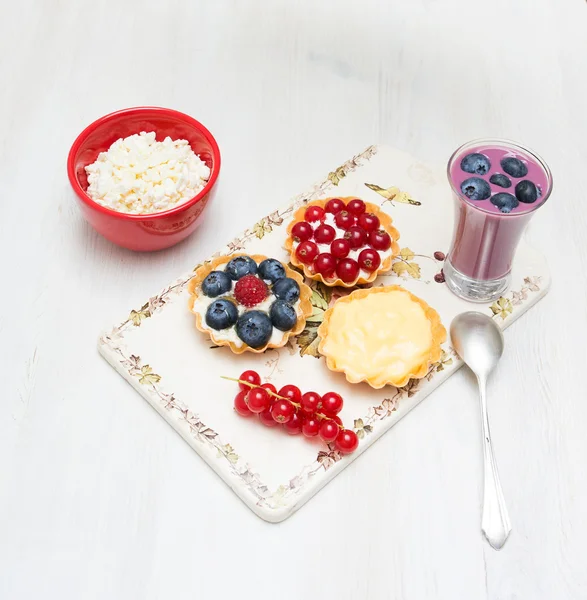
x=479, y=262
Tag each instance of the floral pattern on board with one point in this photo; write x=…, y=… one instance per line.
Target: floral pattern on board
x=393, y=194
x=153, y=304
x=198, y=431
x=503, y=307
x=404, y=264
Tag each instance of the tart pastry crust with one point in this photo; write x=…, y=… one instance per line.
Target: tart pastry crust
x=384, y=361
x=386, y=223
x=304, y=309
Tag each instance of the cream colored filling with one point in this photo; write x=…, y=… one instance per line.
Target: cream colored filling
x=381, y=337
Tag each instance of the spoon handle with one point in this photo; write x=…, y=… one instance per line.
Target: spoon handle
x=495, y=522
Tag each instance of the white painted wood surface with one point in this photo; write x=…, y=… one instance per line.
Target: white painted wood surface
x=98, y=499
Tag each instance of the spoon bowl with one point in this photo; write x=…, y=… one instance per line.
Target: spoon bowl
x=478, y=341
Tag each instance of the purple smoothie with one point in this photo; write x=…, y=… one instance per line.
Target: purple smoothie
x=497, y=186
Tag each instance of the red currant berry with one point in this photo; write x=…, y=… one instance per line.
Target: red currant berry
x=347, y=270
x=258, y=400
x=267, y=418
x=439, y=277
x=315, y=213
x=357, y=236
x=302, y=231
x=344, y=220
x=334, y=205
x=356, y=207
x=346, y=441
x=337, y=420
x=311, y=426
x=369, y=221
x=294, y=425
x=311, y=403
x=340, y=248
x=324, y=234
x=369, y=260
x=282, y=411
x=307, y=252
x=325, y=264
x=438, y=255
x=269, y=387
x=331, y=404
x=240, y=404
x=291, y=392
x=328, y=430
x=380, y=239
x=250, y=377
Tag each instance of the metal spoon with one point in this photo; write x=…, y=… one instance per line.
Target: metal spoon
x=479, y=342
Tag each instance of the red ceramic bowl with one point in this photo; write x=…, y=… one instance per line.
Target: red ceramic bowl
x=142, y=232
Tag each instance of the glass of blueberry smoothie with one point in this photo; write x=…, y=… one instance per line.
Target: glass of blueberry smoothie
x=497, y=185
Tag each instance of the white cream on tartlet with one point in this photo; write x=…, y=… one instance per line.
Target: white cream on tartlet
x=202, y=302
x=354, y=253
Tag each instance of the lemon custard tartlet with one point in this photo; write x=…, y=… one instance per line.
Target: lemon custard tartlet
x=342, y=241
x=382, y=335
x=249, y=303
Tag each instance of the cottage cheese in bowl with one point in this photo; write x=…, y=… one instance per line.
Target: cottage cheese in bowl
x=139, y=175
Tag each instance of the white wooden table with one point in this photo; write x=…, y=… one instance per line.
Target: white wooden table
x=100, y=499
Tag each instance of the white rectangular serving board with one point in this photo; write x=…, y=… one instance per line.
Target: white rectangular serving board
x=158, y=350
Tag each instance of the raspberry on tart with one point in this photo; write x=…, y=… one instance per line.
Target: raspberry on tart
x=250, y=291
x=351, y=243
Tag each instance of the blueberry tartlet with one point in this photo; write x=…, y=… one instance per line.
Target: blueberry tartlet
x=249, y=303
x=342, y=241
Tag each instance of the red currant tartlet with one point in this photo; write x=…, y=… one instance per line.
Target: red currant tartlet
x=342, y=241
x=249, y=303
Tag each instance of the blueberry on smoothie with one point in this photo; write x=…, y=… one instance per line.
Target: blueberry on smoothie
x=476, y=163
x=500, y=180
x=476, y=188
x=514, y=167
x=504, y=201
x=526, y=192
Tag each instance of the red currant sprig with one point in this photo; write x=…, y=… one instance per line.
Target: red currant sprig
x=310, y=414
